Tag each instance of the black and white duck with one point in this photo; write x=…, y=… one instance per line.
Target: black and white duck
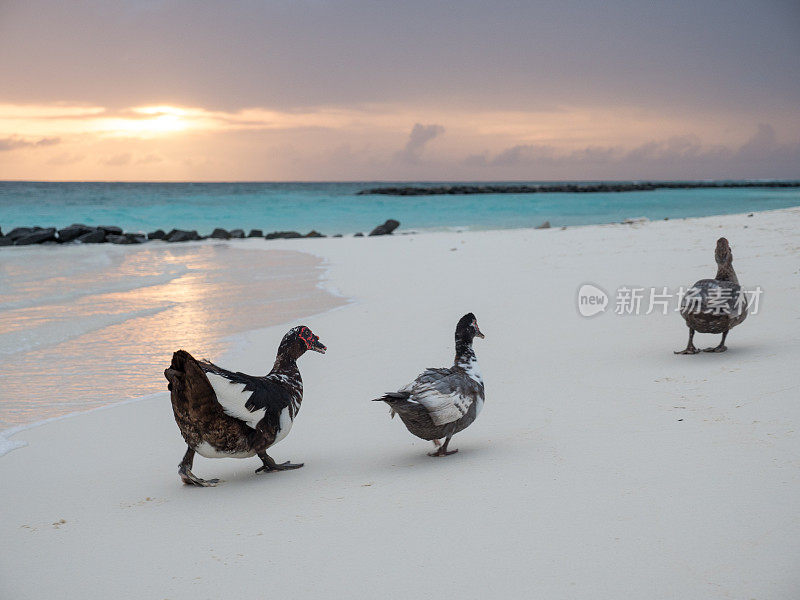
x=714, y=305
x=222, y=414
x=441, y=402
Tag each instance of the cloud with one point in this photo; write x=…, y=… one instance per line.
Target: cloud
x=417, y=140
x=15, y=142
x=510, y=55
x=762, y=144
x=117, y=160
x=524, y=154
x=675, y=151
x=65, y=158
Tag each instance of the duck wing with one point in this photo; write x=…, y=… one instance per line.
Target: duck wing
x=711, y=296
x=257, y=401
x=446, y=394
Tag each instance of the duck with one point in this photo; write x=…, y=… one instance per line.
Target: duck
x=440, y=402
x=226, y=414
x=714, y=305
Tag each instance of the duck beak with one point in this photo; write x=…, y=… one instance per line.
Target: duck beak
x=478, y=333
x=318, y=346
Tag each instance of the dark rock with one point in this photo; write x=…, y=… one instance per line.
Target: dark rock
x=118, y=239
x=237, y=234
x=359, y=234
x=750, y=215
x=337, y=235
x=285, y=235
x=220, y=234
x=1, y=232
x=6, y=241
x=634, y=221
x=37, y=237
x=19, y=232
x=545, y=225
x=315, y=234
x=386, y=229
x=180, y=235
x=97, y=236
x=72, y=232
x=125, y=238
x=158, y=234
x=255, y=233
x=110, y=229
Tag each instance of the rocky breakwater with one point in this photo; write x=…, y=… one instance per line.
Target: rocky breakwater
x=570, y=188
x=78, y=233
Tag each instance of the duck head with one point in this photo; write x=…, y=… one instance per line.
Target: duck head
x=299, y=339
x=723, y=254
x=467, y=329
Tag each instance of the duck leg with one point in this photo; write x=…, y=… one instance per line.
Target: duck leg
x=271, y=465
x=189, y=478
x=690, y=348
x=721, y=348
x=442, y=451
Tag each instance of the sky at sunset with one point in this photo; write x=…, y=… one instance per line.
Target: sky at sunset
x=355, y=90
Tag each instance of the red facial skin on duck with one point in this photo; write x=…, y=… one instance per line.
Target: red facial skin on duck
x=311, y=340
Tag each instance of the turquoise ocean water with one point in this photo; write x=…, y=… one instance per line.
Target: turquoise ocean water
x=335, y=208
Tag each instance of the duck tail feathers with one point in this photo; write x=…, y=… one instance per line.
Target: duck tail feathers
x=392, y=397
x=177, y=368
x=397, y=401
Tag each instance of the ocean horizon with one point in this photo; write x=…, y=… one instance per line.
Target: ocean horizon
x=336, y=207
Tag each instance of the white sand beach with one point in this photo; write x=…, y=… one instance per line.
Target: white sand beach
x=603, y=466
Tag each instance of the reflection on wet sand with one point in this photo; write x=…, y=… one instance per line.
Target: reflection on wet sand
x=81, y=329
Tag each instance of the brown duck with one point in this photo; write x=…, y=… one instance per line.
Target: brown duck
x=222, y=414
x=714, y=305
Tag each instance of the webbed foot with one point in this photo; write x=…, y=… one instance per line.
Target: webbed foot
x=271, y=465
x=719, y=348
x=690, y=349
x=286, y=466
x=190, y=478
x=442, y=452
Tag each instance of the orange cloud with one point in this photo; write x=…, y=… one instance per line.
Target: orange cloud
x=160, y=141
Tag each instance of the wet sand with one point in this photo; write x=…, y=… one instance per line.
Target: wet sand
x=82, y=327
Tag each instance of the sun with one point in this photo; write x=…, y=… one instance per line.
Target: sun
x=147, y=121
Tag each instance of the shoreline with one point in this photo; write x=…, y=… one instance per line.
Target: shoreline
x=187, y=237
x=602, y=465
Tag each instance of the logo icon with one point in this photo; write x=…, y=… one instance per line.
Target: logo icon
x=591, y=300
